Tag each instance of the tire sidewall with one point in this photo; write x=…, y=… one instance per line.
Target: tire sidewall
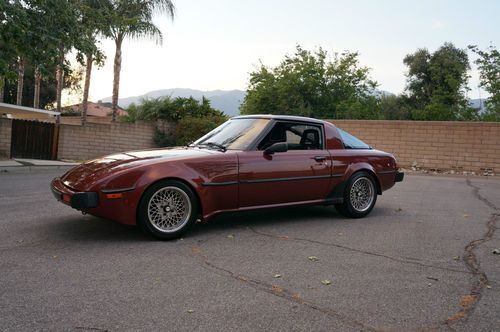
x=142, y=215
x=347, y=206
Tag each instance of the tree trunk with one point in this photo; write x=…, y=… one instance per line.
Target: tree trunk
x=20, y=81
x=59, y=78
x=86, y=87
x=116, y=77
x=2, y=88
x=38, y=80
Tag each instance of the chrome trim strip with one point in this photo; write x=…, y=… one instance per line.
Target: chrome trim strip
x=386, y=172
x=216, y=184
x=293, y=178
x=120, y=190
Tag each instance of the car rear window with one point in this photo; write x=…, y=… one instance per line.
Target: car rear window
x=352, y=142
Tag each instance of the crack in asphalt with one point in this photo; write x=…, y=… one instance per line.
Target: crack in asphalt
x=89, y=328
x=412, y=261
x=277, y=291
x=471, y=300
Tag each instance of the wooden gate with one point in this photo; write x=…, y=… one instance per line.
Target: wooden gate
x=34, y=140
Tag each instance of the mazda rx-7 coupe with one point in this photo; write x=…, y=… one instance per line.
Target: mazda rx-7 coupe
x=248, y=162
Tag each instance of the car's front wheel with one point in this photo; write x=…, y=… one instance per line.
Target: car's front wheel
x=167, y=209
x=360, y=195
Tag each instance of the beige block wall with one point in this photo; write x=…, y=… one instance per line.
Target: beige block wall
x=5, y=137
x=95, y=140
x=440, y=145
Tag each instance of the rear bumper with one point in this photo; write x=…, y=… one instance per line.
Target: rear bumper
x=399, y=176
x=77, y=200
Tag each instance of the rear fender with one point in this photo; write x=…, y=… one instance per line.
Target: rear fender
x=362, y=166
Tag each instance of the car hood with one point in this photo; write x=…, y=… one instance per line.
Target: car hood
x=88, y=173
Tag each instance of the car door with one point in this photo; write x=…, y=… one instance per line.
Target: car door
x=301, y=174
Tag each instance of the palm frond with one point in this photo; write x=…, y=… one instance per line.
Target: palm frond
x=144, y=29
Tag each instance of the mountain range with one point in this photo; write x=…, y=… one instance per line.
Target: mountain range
x=227, y=101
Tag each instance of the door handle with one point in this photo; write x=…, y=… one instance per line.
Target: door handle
x=320, y=158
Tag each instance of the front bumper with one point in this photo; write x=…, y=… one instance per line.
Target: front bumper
x=399, y=176
x=77, y=200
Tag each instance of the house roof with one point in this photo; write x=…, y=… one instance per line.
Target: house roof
x=23, y=112
x=98, y=109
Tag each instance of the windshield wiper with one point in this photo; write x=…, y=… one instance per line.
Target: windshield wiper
x=212, y=145
x=217, y=145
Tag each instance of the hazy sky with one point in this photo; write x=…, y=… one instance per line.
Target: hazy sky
x=215, y=44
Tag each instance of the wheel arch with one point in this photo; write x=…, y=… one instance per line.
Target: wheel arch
x=363, y=167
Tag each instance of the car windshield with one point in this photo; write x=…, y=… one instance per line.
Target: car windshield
x=235, y=134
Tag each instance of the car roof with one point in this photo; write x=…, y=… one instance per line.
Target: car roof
x=279, y=117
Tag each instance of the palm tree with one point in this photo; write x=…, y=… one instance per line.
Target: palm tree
x=93, y=22
x=134, y=19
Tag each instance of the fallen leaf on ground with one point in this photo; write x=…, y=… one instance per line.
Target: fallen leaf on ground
x=312, y=258
x=432, y=278
x=230, y=236
x=277, y=275
x=468, y=300
x=456, y=258
x=466, y=215
x=429, y=284
x=277, y=289
x=190, y=311
x=326, y=282
x=488, y=286
x=283, y=237
x=496, y=251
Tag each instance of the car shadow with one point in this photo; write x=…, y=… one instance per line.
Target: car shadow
x=93, y=229
x=88, y=228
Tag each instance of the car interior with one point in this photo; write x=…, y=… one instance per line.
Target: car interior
x=298, y=136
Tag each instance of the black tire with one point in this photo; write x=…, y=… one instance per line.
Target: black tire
x=354, y=206
x=167, y=209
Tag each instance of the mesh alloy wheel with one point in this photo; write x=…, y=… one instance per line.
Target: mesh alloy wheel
x=361, y=194
x=169, y=209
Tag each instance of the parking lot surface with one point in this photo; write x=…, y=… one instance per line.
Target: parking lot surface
x=422, y=260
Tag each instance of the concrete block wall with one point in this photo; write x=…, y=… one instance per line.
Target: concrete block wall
x=5, y=137
x=95, y=140
x=471, y=146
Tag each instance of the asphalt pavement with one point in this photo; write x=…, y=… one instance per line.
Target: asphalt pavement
x=422, y=260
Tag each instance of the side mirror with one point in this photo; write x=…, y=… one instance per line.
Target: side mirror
x=277, y=147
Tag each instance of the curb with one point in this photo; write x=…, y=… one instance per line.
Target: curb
x=27, y=169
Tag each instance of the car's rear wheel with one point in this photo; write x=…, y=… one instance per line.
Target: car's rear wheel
x=360, y=196
x=167, y=209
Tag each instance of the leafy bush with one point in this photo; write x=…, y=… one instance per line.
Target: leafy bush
x=171, y=109
x=191, y=128
x=193, y=118
x=163, y=139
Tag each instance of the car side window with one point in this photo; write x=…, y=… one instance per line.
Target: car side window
x=298, y=136
x=352, y=142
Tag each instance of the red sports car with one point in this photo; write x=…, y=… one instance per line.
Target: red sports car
x=249, y=162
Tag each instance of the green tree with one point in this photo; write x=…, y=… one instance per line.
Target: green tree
x=309, y=84
x=133, y=19
x=489, y=74
x=12, y=27
x=437, y=83
x=394, y=107
x=93, y=22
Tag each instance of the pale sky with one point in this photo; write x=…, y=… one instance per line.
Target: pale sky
x=215, y=44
